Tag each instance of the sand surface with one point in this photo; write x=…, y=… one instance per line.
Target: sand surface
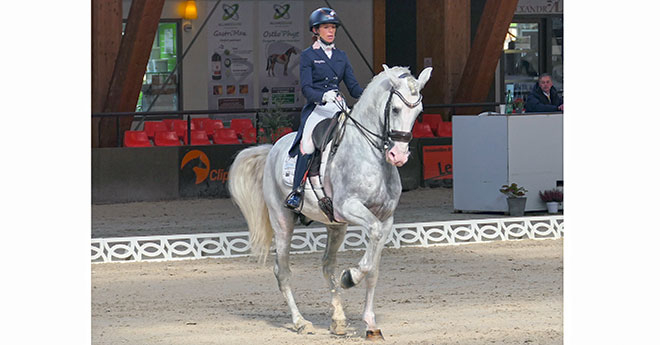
x=198, y=216
x=490, y=293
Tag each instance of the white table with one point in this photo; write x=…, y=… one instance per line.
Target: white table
x=493, y=150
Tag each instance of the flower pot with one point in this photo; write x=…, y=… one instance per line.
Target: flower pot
x=553, y=206
x=516, y=206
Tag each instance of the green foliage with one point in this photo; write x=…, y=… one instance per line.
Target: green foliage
x=273, y=119
x=513, y=191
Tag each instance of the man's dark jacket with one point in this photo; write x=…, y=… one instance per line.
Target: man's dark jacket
x=538, y=102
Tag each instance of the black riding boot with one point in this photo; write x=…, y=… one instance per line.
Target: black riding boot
x=294, y=199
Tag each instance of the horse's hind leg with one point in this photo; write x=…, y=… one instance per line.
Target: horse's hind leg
x=282, y=223
x=336, y=235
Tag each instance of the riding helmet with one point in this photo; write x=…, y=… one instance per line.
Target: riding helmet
x=323, y=15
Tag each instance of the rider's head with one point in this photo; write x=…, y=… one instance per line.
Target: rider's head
x=323, y=22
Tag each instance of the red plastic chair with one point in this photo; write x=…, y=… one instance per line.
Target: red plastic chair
x=136, y=139
x=198, y=122
x=151, y=127
x=225, y=136
x=168, y=138
x=239, y=125
x=211, y=125
x=444, y=129
x=433, y=120
x=249, y=136
x=181, y=127
x=168, y=123
x=422, y=130
x=197, y=137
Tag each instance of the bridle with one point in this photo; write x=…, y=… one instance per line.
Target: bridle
x=388, y=136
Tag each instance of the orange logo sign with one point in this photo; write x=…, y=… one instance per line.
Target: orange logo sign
x=200, y=173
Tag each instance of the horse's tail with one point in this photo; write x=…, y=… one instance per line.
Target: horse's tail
x=245, y=183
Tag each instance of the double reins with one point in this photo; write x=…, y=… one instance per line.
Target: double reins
x=389, y=136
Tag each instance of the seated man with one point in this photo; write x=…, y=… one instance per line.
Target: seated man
x=544, y=97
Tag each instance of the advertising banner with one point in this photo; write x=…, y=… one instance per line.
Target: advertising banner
x=203, y=170
x=437, y=162
x=281, y=35
x=231, y=56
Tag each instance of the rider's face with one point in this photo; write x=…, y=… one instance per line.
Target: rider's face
x=327, y=32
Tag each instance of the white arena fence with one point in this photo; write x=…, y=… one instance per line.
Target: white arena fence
x=236, y=244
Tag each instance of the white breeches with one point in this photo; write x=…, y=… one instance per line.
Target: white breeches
x=320, y=113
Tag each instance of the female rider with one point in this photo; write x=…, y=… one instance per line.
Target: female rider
x=322, y=67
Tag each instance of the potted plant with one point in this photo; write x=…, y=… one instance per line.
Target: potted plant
x=519, y=106
x=272, y=121
x=552, y=198
x=515, y=198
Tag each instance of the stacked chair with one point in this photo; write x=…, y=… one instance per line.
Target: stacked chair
x=203, y=131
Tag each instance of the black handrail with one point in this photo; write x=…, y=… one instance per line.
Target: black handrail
x=256, y=111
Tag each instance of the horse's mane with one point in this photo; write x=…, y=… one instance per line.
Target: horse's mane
x=377, y=88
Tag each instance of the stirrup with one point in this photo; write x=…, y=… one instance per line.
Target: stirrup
x=294, y=200
x=325, y=204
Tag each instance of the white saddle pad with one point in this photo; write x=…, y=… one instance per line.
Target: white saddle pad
x=289, y=169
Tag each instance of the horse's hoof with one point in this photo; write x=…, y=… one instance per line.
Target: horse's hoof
x=347, y=280
x=375, y=335
x=338, y=327
x=305, y=327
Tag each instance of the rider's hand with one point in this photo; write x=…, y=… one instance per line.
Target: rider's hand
x=329, y=96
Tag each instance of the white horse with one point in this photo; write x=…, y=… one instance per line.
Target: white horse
x=361, y=178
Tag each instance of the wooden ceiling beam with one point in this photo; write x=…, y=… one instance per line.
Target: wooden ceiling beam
x=132, y=59
x=486, y=51
x=106, y=37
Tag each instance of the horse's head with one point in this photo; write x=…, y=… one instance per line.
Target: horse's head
x=403, y=105
x=291, y=50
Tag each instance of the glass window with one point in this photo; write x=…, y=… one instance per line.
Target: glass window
x=557, y=46
x=158, y=92
x=521, y=60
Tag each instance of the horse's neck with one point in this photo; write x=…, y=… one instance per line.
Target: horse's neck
x=356, y=139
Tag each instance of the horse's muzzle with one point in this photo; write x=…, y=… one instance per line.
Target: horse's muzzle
x=398, y=154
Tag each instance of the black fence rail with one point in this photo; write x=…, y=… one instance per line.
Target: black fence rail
x=227, y=114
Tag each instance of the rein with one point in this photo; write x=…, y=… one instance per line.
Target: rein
x=388, y=136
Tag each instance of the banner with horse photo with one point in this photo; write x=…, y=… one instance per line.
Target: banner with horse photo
x=281, y=28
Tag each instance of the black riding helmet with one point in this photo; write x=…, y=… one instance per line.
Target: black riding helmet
x=323, y=15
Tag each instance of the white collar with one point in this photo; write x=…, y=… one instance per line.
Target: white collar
x=326, y=46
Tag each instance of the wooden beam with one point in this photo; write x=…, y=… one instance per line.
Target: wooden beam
x=443, y=35
x=106, y=37
x=486, y=50
x=380, y=29
x=134, y=51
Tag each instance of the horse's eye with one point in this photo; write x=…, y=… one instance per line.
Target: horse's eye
x=396, y=110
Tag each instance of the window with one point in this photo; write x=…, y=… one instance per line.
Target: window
x=158, y=92
x=521, y=60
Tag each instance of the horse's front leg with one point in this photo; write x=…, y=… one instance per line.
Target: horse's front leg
x=336, y=235
x=372, y=277
x=355, y=212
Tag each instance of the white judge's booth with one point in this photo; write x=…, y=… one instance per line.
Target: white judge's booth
x=491, y=150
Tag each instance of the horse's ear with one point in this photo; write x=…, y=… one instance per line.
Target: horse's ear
x=424, y=77
x=394, y=80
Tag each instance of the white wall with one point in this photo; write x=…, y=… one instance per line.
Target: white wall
x=357, y=15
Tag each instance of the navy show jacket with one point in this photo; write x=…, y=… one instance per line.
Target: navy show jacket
x=319, y=74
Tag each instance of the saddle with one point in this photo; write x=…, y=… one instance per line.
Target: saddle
x=325, y=132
